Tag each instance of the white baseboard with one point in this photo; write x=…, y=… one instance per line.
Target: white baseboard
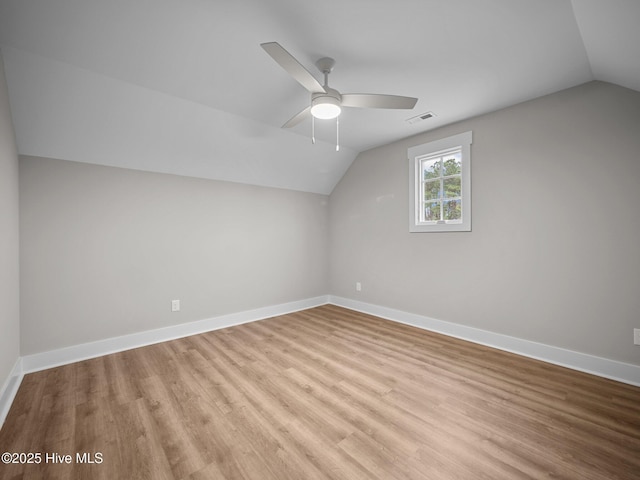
x=9, y=390
x=76, y=353
x=603, y=367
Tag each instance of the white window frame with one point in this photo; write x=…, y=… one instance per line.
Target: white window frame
x=416, y=155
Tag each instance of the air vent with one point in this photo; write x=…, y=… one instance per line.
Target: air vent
x=420, y=118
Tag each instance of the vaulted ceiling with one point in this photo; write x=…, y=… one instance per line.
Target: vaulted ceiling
x=183, y=87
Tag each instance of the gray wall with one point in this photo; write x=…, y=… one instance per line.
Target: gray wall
x=104, y=250
x=552, y=257
x=9, y=242
x=554, y=253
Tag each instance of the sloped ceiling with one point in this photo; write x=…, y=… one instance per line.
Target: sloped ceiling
x=183, y=87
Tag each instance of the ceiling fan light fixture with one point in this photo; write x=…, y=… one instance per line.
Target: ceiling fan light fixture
x=325, y=107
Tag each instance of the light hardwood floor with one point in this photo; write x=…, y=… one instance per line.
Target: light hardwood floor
x=326, y=393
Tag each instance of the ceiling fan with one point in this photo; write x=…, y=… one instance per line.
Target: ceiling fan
x=327, y=102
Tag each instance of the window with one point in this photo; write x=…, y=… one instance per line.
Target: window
x=440, y=187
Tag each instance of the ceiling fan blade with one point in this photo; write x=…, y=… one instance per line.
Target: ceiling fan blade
x=370, y=100
x=298, y=117
x=293, y=67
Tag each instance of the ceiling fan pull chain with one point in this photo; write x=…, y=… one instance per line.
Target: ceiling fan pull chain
x=337, y=134
x=313, y=130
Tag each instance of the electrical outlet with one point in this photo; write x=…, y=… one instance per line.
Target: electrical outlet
x=636, y=336
x=358, y=287
x=175, y=305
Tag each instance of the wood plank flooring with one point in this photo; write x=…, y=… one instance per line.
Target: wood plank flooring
x=325, y=393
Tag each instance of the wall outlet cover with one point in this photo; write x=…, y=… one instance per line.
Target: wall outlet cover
x=175, y=305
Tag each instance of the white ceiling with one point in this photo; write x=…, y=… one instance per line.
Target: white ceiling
x=182, y=86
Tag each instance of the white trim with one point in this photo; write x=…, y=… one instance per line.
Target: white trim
x=9, y=389
x=603, y=367
x=76, y=353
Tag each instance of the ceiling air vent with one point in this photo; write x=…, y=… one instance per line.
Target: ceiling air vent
x=420, y=118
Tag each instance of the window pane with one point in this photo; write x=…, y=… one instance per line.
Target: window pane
x=431, y=211
x=452, y=164
x=430, y=169
x=452, y=210
x=432, y=189
x=451, y=187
